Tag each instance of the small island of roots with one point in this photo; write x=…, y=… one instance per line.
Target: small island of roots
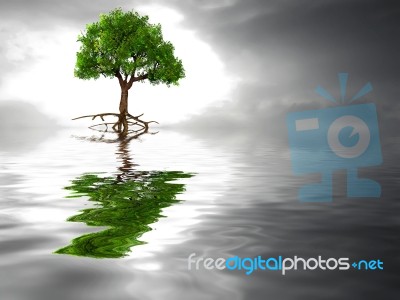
x=122, y=125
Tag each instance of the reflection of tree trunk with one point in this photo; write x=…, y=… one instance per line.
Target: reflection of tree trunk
x=127, y=168
x=124, y=157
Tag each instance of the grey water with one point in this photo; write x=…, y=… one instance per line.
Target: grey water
x=241, y=201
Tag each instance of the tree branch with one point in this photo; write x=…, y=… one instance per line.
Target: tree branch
x=120, y=79
x=130, y=81
x=141, y=77
x=156, y=65
x=134, y=79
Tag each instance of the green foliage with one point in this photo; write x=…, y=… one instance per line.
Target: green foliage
x=125, y=207
x=127, y=43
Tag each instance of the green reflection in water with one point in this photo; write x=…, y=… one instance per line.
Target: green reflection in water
x=127, y=206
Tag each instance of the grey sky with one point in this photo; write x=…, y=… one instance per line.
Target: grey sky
x=283, y=49
x=48, y=13
x=23, y=127
x=20, y=15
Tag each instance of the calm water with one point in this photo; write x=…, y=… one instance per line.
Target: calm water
x=216, y=197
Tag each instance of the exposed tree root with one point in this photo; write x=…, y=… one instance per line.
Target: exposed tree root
x=126, y=124
x=119, y=139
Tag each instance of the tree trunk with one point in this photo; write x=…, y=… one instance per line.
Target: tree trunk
x=123, y=111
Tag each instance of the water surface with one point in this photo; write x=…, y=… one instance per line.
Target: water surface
x=220, y=197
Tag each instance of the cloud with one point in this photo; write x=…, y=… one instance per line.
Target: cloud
x=23, y=126
x=50, y=13
x=21, y=19
x=281, y=50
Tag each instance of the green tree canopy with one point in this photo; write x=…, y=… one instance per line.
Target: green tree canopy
x=125, y=45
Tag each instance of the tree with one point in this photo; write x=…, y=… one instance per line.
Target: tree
x=125, y=46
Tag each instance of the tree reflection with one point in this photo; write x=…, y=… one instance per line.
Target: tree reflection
x=126, y=203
